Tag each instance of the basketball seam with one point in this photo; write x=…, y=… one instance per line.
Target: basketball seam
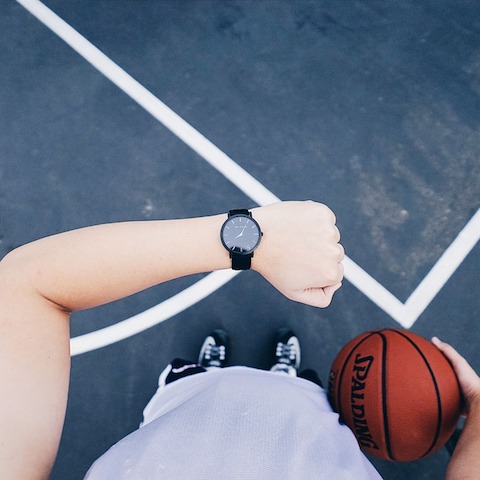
x=386, y=428
x=439, y=400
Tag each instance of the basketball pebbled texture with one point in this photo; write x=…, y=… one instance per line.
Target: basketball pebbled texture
x=397, y=392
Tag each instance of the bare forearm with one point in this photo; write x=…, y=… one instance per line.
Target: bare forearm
x=95, y=265
x=465, y=462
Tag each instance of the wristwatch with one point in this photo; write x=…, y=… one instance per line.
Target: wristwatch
x=240, y=235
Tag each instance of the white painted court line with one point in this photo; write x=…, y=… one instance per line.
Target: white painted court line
x=194, y=139
x=445, y=267
x=376, y=291
x=157, y=314
x=405, y=314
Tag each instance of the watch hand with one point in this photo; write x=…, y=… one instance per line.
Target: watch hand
x=241, y=233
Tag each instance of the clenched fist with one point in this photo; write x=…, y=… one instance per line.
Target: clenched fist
x=300, y=253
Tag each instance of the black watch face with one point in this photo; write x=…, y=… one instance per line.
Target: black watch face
x=241, y=233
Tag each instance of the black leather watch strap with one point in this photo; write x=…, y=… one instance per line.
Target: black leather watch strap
x=240, y=211
x=241, y=262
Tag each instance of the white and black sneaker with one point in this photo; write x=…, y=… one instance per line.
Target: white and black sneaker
x=213, y=353
x=287, y=353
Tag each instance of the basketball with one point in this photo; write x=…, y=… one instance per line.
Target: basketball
x=397, y=392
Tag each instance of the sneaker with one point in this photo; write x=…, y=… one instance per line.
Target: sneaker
x=213, y=353
x=287, y=353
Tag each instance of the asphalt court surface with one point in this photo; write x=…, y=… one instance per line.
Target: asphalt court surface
x=370, y=107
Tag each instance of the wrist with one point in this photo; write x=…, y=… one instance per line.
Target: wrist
x=280, y=236
x=265, y=249
x=474, y=405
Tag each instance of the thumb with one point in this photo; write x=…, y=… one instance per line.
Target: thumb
x=317, y=297
x=467, y=377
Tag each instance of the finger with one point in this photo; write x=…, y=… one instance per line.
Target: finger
x=333, y=276
x=455, y=358
x=335, y=234
x=329, y=275
x=325, y=213
x=341, y=254
x=330, y=290
x=341, y=272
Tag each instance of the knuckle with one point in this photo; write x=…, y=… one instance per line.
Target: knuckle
x=332, y=274
x=325, y=212
x=331, y=233
x=335, y=233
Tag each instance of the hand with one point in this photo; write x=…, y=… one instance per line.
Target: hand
x=465, y=461
x=299, y=253
x=467, y=378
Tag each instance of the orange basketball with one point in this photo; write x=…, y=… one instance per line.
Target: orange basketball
x=397, y=392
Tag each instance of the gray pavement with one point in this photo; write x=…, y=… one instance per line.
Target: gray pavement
x=371, y=107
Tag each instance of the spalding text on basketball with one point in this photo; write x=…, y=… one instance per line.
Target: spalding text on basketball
x=360, y=372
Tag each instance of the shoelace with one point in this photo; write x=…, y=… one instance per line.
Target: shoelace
x=285, y=352
x=216, y=352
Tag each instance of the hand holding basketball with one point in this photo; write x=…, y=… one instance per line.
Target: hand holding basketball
x=397, y=392
x=465, y=461
x=300, y=254
x=467, y=377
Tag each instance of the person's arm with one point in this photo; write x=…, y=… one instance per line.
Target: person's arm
x=465, y=461
x=43, y=282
